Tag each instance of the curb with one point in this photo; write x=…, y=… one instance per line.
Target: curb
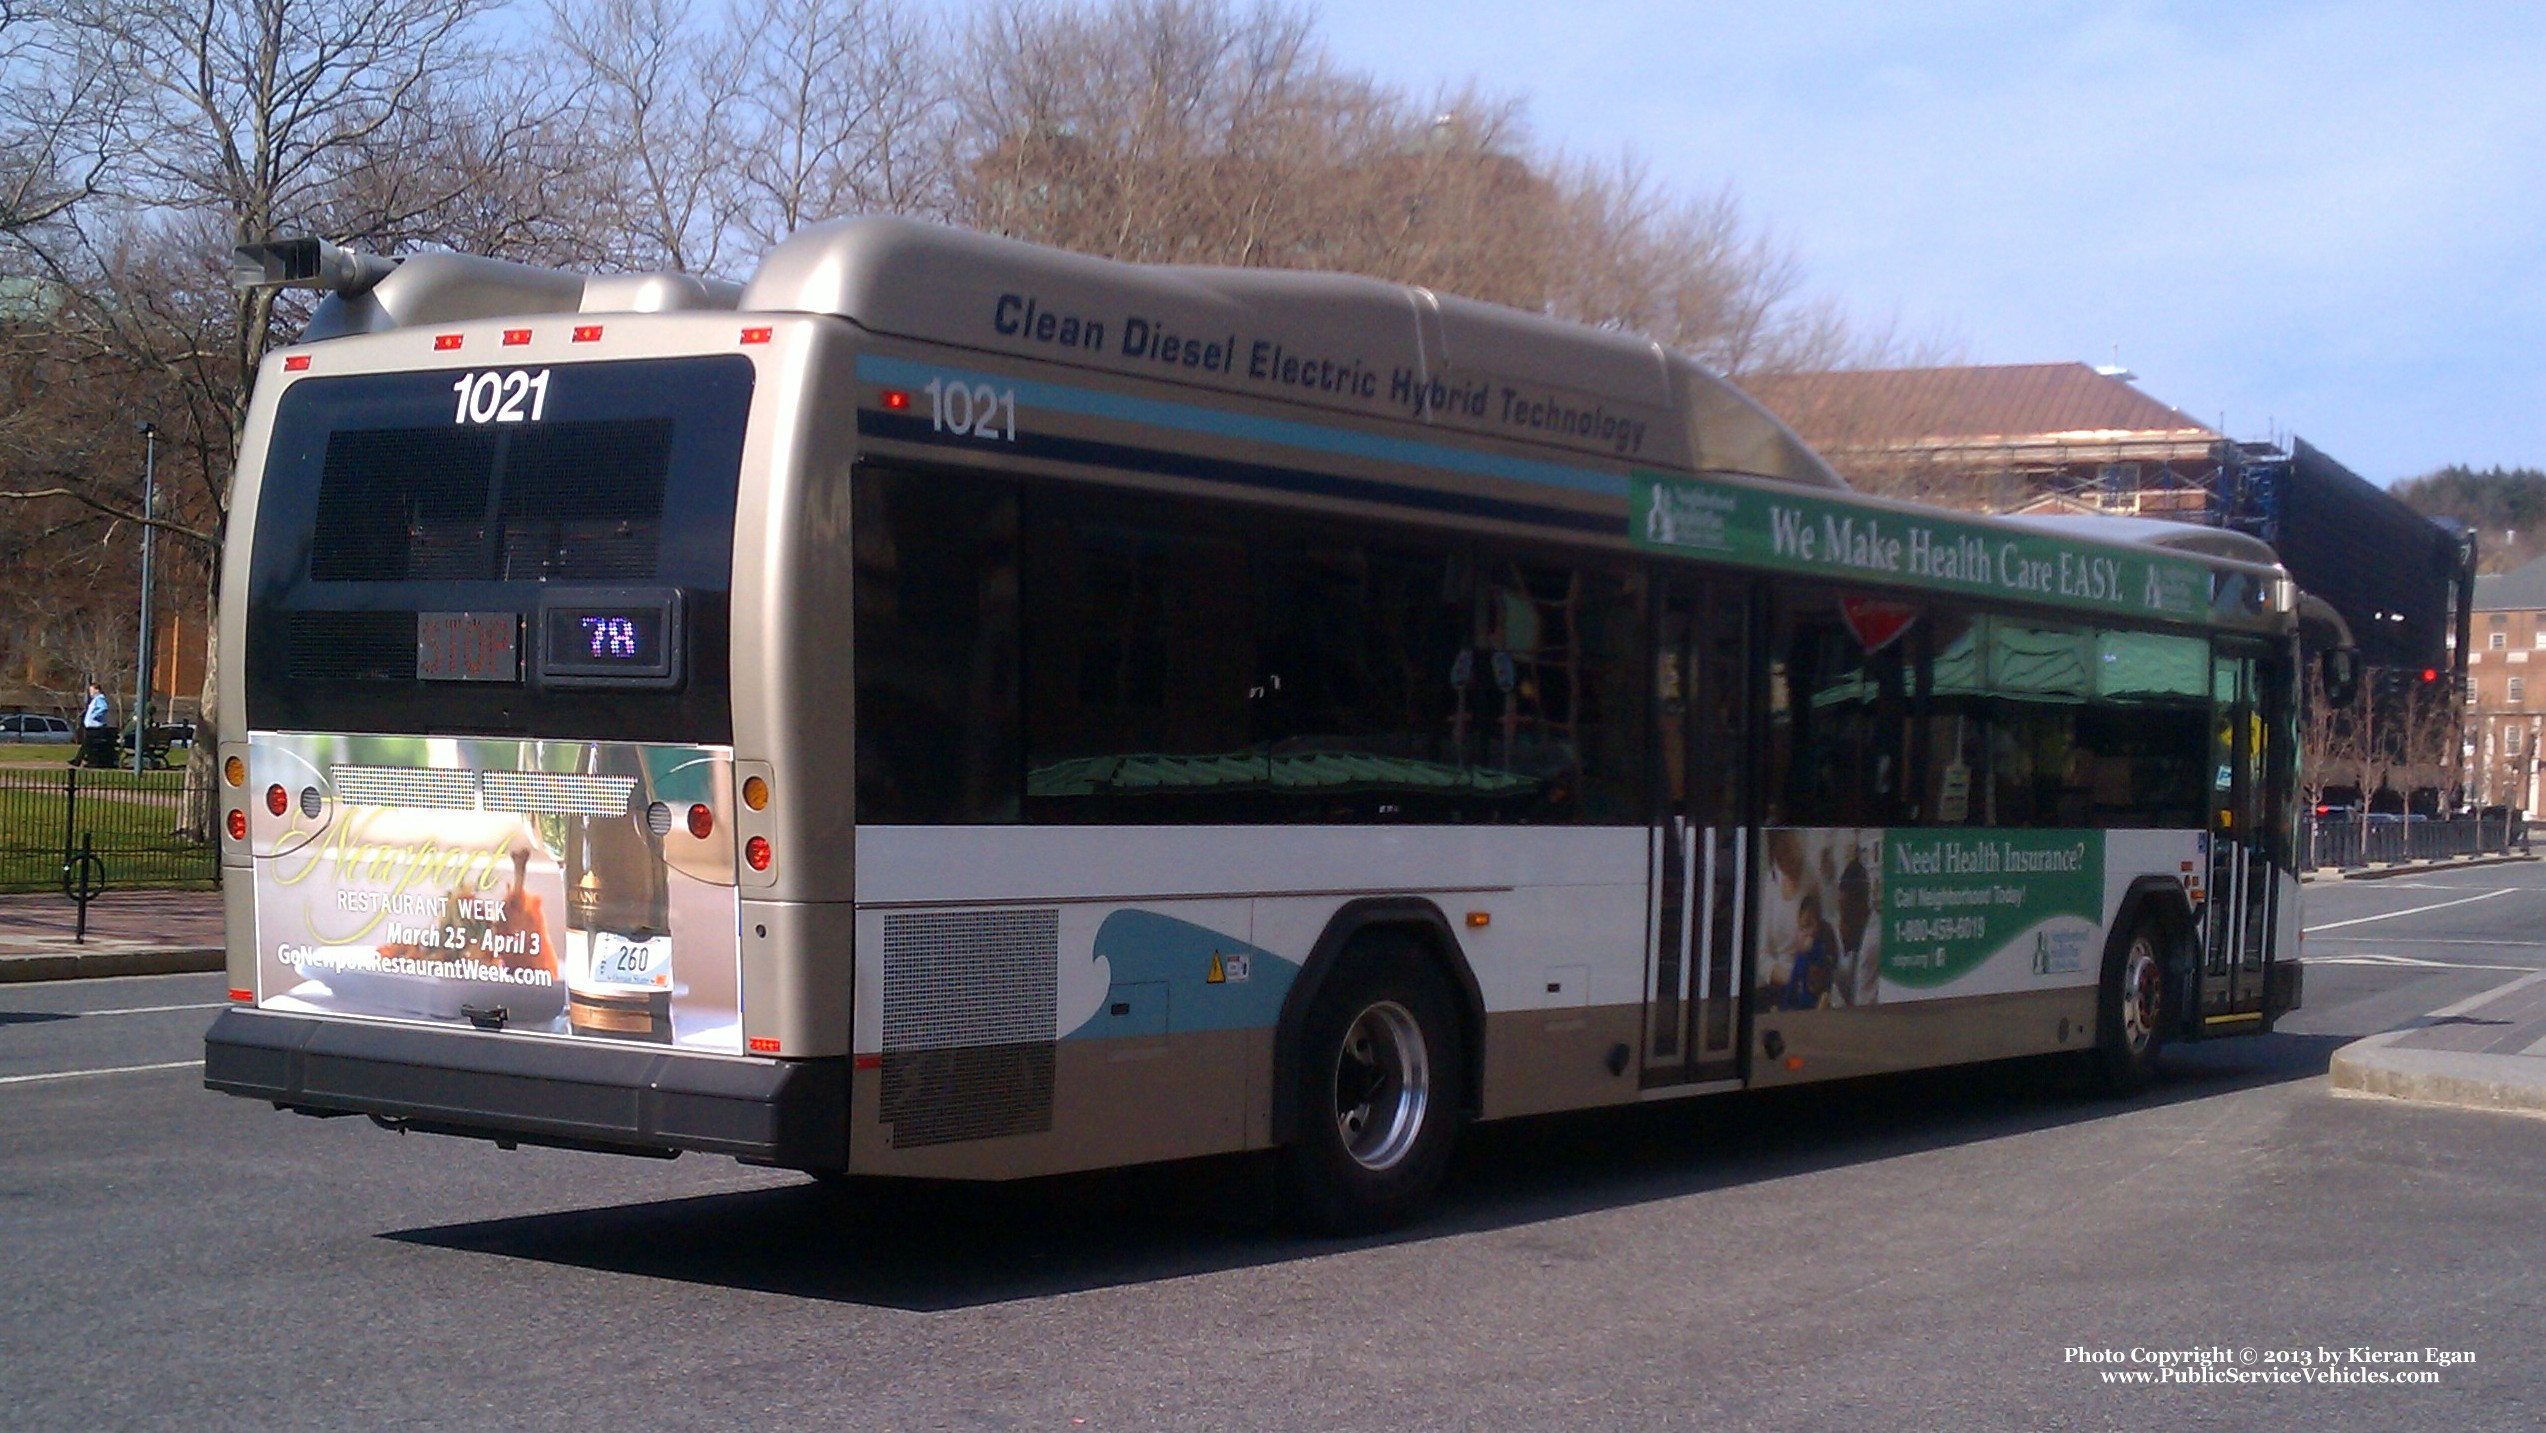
x=2374, y=1069
x=98, y=964
x=2412, y=868
x=2380, y=873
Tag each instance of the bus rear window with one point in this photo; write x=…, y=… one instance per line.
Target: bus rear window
x=561, y=502
x=389, y=511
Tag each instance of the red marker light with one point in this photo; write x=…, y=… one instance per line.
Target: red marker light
x=763, y=1045
x=755, y=335
x=445, y=342
x=2431, y=674
x=277, y=800
x=756, y=852
x=588, y=333
x=238, y=824
x=516, y=337
x=296, y=363
x=896, y=400
x=702, y=822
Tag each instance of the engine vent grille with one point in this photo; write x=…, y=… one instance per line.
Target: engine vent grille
x=969, y=1002
x=975, y=1092
x=560, y=793
x=970, y=977
x=435, y=790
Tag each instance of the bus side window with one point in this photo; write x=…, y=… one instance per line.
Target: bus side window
x=935, y=648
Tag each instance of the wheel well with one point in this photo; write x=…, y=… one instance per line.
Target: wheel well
x=2164, y=900
x=1421, y=921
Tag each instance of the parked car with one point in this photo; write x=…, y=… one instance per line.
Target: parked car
x=33, y=728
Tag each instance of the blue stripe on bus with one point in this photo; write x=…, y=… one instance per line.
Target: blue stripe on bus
x=1087, y=452
x=1219, y=423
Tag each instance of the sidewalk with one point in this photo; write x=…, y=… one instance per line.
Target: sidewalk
x=2383, y=870
x=129, y=933
x=2486, y=1053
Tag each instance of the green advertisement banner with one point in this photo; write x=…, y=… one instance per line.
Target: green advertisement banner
x=1801, y=532
x=1955, y=899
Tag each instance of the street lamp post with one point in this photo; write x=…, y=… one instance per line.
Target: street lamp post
x=149, y=505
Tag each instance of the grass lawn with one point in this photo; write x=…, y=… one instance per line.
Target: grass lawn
x=133, y=823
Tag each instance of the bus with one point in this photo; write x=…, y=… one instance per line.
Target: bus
x=950, y=708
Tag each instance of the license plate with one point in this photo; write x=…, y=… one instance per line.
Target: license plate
x=617, y=960
x=468, y=646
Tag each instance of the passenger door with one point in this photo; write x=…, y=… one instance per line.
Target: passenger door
x=2238, y=921
x=1700, y=852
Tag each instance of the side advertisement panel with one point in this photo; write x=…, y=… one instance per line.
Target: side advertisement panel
x=556, y=888
x=1856, y=917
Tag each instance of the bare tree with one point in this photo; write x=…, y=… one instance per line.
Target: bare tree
x=664, y=98
x=63, y=103
x=842, y=111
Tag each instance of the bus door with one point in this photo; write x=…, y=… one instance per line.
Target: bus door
x=1700, y=849
x=2239, y=919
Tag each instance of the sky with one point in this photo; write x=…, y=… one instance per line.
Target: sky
x=2326, y=220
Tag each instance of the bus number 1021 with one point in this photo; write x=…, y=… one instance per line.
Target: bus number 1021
x=497, y=397
x=975, y=410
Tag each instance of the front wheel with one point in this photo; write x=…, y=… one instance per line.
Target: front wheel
x=2132, y=1011
x=1375, y=1097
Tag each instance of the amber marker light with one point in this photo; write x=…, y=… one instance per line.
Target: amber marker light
x=702, y=822
x=755, y=793
x=235, y=772
x=238, y=824
x=1480, y=918
x=756, y=853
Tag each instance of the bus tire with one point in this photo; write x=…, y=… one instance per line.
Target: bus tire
x=2132, y=1009
x=1375, y=1102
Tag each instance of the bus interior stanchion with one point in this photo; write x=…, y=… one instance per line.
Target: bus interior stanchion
x=83, y=880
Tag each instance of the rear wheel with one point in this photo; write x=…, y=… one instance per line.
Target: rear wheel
x=2133, y=1011
x=1375, y=1096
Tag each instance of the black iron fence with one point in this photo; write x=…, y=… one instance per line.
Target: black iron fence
x=2342, y=841
x=135, y=824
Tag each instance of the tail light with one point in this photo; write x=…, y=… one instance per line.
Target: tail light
x=238, y=824
x=277, y=800
x=702, y=822
x=756, y=853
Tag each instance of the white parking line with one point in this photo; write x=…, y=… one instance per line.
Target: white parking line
x=2411, y=962
x=130, y=1009
x=109, y=1070
x=2411, y=910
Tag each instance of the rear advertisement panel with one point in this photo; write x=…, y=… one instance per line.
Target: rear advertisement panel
x=575, y=889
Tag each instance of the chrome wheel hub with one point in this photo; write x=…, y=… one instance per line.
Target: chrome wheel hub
x=1383, y=1085
x=2142, y=993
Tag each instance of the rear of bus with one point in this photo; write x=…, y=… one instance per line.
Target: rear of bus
x=492, y=863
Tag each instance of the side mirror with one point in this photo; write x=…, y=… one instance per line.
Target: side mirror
x=2340, y=667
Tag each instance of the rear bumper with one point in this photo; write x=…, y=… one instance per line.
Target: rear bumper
x=631, y=1099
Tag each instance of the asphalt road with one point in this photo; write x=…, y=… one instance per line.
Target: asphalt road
x=1911, y=1253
